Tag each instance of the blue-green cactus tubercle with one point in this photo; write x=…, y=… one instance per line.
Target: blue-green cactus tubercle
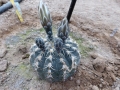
x=40, y=44
x=58, y=44
x=56, y=59
x=63, y=30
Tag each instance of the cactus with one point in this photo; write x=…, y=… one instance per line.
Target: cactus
x=63, y=30
x=45, y=19
x=56, y=58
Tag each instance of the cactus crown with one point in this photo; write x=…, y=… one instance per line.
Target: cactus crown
x=56, y=58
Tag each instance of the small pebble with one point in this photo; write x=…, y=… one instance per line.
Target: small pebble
x=94, y=56
x=95, y=88
x=103, y=83
x=101, y=79
x=8, y=73
x=3, y=52
x=83, y=68
x=113, y=32
x=25, y=56
x=110, y=68
x=116, y=68
x=78, y=87
x=113, y=76
x=100, y=85
x=71, y=78
x=78, y=82
x=3, y=65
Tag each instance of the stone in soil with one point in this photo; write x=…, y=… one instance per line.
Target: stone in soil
x=22, y=49
x=109, y=68
x=3, y=65
x=3, y=52
x=93, y=55
x=119, y=47
x=113, y=76
x=78, y=82
x=114, y=44
x=117, y=62
x=94, y=88
x=99, y=64
x=25, y=56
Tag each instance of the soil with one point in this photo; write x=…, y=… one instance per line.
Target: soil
x=93, y=26
x=3, y=2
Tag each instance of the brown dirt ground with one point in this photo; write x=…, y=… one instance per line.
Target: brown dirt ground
x=94, y=20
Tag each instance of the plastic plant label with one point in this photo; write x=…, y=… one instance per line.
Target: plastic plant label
x=12, y=1
x=19, y=16
x=18, y=10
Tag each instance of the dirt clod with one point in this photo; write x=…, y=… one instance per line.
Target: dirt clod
x=113, y=76
x=99, y=64
x=116, y=68
x=95, y=88
x=3, y=65
x=109, y=68
x=3, y=52
x=93, y=55
x=25, y=56
x=22, y=49
x=78, y=82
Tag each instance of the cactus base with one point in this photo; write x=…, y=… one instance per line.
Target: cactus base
x=52, y=65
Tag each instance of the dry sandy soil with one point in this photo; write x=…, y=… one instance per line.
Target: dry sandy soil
x=93, y=20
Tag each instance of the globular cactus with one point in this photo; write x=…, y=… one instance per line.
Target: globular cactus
x=55, y=60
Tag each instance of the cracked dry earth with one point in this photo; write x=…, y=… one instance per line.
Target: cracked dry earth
x=92, y=25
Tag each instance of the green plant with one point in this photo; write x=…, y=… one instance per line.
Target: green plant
x=54, y=58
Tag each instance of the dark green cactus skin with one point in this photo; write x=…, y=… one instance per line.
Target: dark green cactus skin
x=63, y=30
x=40, y=44
x=55, y=59
x=58, y=44
x=48, y=30
x=55, y=66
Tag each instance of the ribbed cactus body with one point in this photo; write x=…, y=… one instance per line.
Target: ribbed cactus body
x=56, y=58
x=52, y=65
